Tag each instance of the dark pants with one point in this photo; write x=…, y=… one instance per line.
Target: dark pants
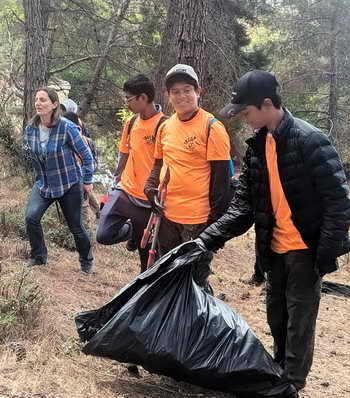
x=172, y=234
x=293, y=296
x=114, y=226
x=71, y=205
x=258, y=273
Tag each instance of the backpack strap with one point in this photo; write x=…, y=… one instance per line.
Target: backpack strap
x=232, y=168
x=210, y=123
x=132, y=122
x=130, y=126
x=160, y=122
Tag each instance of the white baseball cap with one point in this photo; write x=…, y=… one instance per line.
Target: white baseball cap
x=70, y=105
x=182, y=69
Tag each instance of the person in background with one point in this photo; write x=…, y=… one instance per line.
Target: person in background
x=53, y=143
x=68, y=105
x=293, y=188
x=89, y=198
x=194, y=155
x=125, y=215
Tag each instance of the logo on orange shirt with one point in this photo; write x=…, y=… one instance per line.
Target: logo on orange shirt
x=190, y=143
x=149, y=139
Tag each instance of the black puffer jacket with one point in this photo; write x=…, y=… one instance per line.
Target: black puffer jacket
x=314, y=183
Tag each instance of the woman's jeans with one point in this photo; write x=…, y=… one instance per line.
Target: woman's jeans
x=71, y=205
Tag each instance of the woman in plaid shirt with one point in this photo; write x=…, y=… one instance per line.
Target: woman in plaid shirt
x=53, y=142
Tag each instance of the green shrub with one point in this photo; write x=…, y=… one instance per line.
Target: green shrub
x=21, y=300
x=12, y=223
x=14, y=150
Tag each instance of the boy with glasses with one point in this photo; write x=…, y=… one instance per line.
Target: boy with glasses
x=125, y=215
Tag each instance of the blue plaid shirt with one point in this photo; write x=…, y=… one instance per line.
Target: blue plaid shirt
x=56, y=167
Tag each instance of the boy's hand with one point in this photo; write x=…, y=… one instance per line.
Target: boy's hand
x=152, y=196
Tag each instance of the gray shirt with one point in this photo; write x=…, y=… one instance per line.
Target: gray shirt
x=44, y=133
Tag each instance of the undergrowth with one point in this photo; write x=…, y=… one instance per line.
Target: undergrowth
x=12, y=224
x=21, y=300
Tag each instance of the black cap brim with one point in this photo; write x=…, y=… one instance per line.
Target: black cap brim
x=231, y=110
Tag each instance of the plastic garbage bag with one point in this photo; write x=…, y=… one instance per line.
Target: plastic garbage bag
x=336, y=289
x=165, y=322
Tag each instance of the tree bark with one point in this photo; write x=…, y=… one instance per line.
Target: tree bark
x=192, y=35
x=167, y=53
x=36, y=51
x=333, y=85
x=90, y=92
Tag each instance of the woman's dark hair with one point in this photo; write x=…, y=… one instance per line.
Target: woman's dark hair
x=180, y=78
x=138, y=85
x=56, y=114
x=73, y=117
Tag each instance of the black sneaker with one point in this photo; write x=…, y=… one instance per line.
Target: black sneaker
x=32, y=262
x=87, y=270
x=133, y=370
x=131, y=245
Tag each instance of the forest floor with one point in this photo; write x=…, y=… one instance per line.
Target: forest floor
x=54, y=366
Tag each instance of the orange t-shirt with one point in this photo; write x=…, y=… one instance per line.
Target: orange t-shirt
x=285, y=236
x=140, y=147
x=186, y=149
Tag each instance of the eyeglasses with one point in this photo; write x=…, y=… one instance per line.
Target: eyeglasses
x=128, y=99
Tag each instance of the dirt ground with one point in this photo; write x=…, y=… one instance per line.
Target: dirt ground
x=55, y=367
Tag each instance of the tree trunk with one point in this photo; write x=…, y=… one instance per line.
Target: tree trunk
x=90, y=92
x=192, y=35
x=167, y=53
x=333, y=85
x=36, y=51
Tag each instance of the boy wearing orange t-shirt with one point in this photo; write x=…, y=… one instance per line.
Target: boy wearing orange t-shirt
x=293, y=188
x=196, y=155
x=127, y=211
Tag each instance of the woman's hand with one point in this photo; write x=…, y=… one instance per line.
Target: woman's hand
x=88, y=188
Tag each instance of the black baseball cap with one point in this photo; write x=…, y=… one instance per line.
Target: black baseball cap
x=251, y=89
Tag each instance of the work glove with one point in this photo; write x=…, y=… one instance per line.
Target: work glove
x=193, y=244
x=200, y=244
x=152, y=196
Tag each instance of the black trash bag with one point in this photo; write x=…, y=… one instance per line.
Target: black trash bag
x=165, y=322
x=336, y=289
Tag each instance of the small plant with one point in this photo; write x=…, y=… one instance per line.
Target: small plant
x=12, y=223
x=13, y=148
x=124, y=114
x=72, y=346
x=21, y=300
